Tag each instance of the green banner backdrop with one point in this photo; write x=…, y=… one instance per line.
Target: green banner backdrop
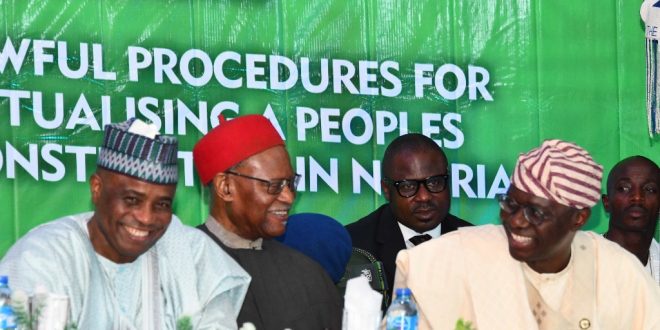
x=340, y=80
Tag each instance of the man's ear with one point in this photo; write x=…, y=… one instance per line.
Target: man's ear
x=222, y=187
x=606, y=202
x=386, y=189
x=95, y=187
x=580, y=218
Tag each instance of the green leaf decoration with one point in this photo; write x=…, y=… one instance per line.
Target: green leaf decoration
x=464, y=325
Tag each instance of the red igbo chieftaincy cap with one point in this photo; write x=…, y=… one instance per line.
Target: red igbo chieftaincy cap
x=231, y=142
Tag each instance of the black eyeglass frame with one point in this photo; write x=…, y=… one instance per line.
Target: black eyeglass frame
x=532, y=214
x=276, y=186
x=397, y=184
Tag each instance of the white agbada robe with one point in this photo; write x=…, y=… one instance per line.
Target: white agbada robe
x=470, y=274
x=183, y=274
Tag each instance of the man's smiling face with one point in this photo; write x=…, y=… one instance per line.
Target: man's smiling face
x=131, y=215
x=545, y=247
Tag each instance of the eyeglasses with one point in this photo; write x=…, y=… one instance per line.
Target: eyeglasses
x=274, y=186
x=408, y=188
x=531, y=213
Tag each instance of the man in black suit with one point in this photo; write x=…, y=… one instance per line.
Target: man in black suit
x=416, y=185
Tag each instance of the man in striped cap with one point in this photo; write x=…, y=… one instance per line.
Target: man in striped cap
x=130, y=264
x=537, y=270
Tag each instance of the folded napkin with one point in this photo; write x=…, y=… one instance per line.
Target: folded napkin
x=361, y=305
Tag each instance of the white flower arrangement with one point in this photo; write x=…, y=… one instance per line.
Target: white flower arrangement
x=29, y=309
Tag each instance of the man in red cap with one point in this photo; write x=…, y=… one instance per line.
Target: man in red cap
x=252, y=187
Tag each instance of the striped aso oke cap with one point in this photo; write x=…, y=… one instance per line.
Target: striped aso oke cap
x=559, y=171
x=135, y=149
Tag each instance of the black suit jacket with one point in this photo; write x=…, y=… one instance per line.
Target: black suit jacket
x=380, y=234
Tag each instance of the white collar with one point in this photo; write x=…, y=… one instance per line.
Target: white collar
x=230, y=239
x=408, y=233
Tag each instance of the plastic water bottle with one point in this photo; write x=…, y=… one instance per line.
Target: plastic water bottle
x=402, y=314
x=7, y=317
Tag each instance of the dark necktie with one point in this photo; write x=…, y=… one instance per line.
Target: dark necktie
x=419, y=239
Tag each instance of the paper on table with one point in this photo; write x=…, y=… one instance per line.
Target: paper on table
x=361, y=305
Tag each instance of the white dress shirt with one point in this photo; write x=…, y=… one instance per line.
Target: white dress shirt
x=408, y=233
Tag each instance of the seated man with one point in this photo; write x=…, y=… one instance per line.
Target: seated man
x=633, y=202
x=416, y=185
x=537, y=270
x=252, y=187
x=130, y=264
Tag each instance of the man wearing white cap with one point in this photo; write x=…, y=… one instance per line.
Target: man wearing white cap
x=130, y=264
x=537, y=270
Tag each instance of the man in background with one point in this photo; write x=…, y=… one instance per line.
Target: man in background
x=537, y=270
x=252, y=187
x=130, y=264
x=633, y=203
x=416, y=185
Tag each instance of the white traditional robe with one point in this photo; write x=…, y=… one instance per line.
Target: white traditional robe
x=191, y=276
x=470, y=274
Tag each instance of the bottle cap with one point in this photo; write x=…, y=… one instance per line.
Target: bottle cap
x=402, y=292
